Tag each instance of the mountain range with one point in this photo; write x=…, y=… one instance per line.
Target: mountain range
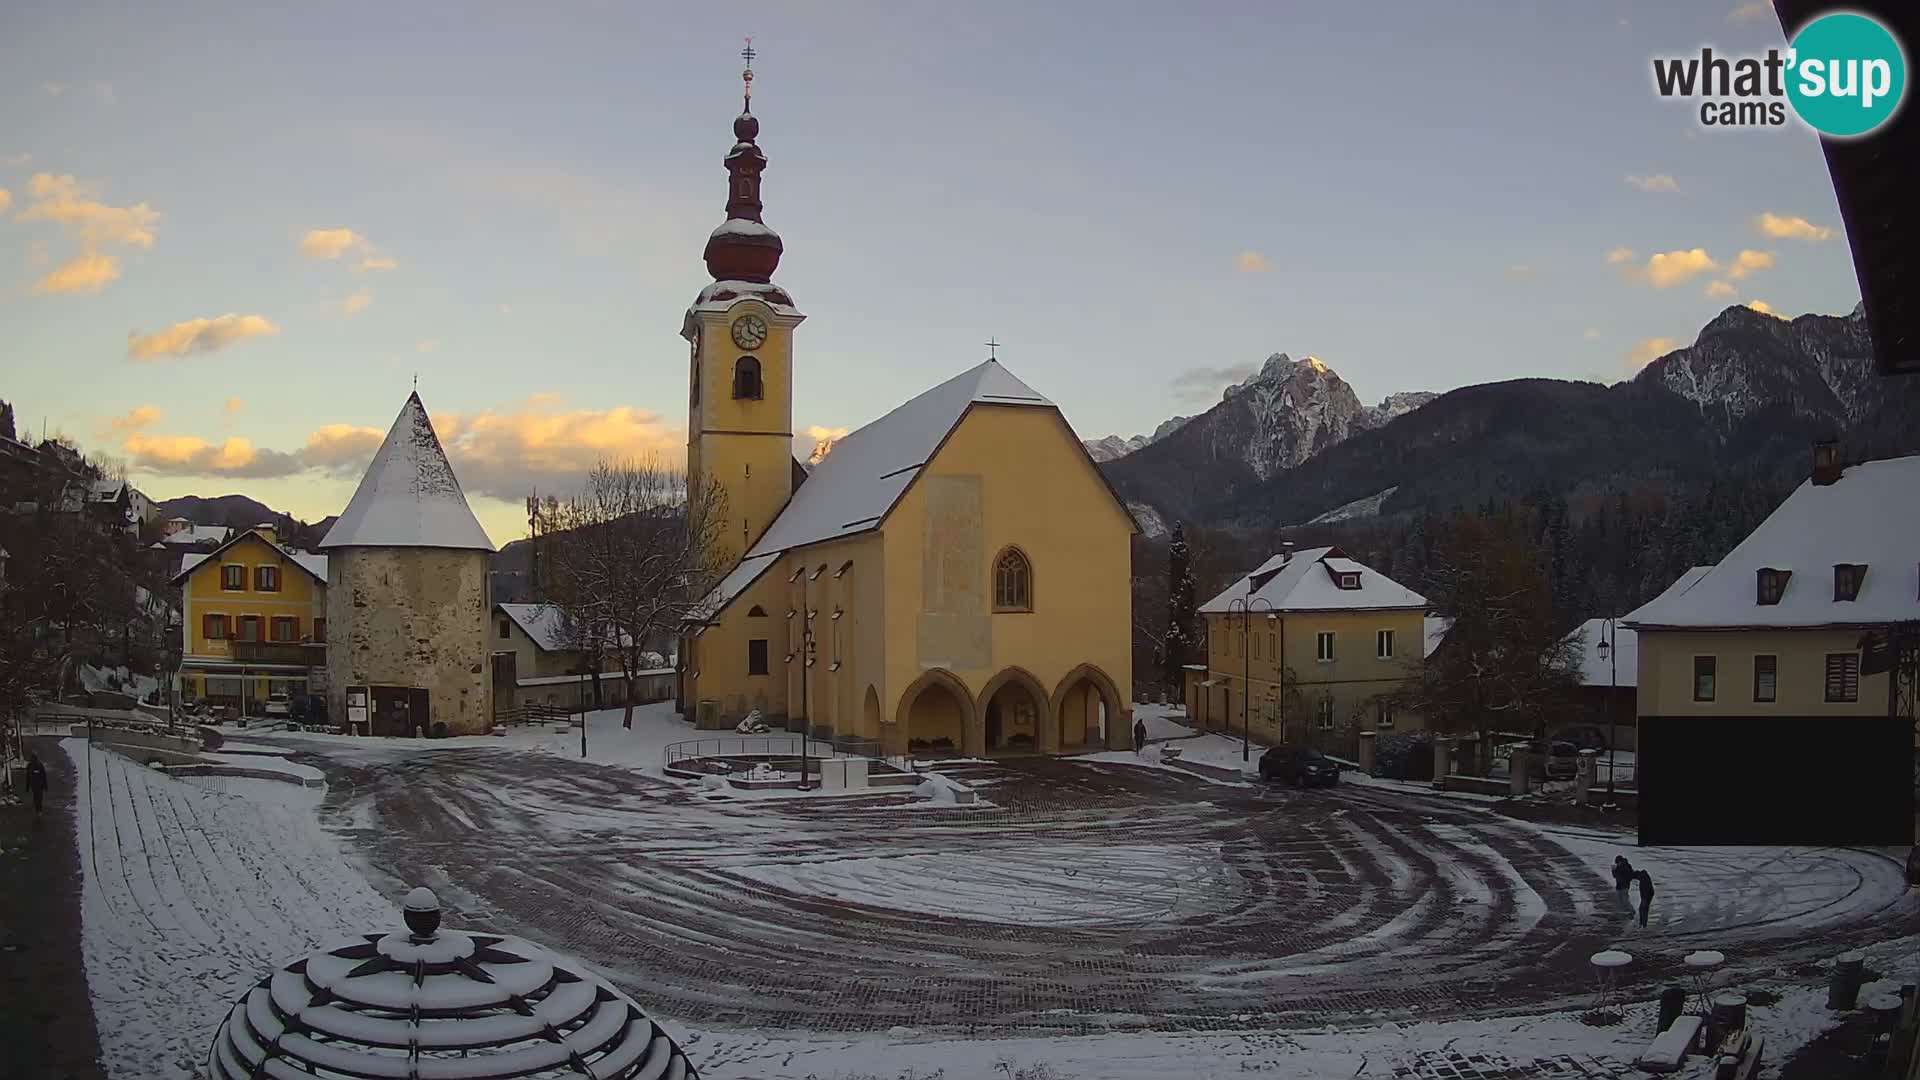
x=1292, y=445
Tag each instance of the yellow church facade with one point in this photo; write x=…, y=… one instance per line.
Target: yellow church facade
x=954, y=577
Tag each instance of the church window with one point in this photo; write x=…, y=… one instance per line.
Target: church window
x=1012, y=582
x=757, y=656
x=757, y=612
x=746, y=379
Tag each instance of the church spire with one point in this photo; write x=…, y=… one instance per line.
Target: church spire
x=743, y=248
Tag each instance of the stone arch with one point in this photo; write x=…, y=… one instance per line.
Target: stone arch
x=1068, y=694
x=870, y=714
x=935, y=681
x=1042, y=708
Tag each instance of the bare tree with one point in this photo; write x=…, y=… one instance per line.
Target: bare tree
x=628, y=558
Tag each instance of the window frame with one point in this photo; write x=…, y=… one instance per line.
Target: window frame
x=1770, y=585
x=277, y=621
x=240, y=627
x=1013, y=551
x=1383, y=715
x=228, y=573
x=320, y=628
x=1383, y=637
x=1772, y=674
x=764, y=665
x=214, y=626
x=264, y=573
x=1848, y=580
x=1711, y=670
x=1849, y=679
x=1325, y=646
x=1323, y=713
x=506, y=629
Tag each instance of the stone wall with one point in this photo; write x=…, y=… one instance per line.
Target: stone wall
x=415, y=617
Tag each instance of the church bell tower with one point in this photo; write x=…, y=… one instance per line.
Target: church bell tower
x=740, y=330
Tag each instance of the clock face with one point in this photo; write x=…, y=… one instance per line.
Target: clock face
x=749, y=332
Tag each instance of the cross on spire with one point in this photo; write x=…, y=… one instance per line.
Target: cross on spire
x=746, y=75
x=993, y=349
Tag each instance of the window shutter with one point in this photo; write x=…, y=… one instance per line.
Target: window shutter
x=1843, y=677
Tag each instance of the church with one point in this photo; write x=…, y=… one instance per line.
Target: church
x=954, y=577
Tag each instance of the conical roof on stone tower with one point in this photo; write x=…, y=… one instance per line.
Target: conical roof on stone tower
x=409, y=496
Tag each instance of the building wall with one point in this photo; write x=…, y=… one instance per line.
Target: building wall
x=1666, y=673
x=744, y=444
x=416, y=617
x=1354, y=680
x=300, y=597
x=1008, y=476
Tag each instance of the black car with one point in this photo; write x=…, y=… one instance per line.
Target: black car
x=1301, y=766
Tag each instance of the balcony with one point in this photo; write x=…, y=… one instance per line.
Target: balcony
x=312, y=654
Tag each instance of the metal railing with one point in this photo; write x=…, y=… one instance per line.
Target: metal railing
x=535, y=712
x=781, y=745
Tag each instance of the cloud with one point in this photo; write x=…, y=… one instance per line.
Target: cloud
x=507, y=453
x=1620, y=255
x=1647, y=350
x=430, y=345
x=20, y=158
x=1251, y=262
x=53, y=89
x=1592, y=333
x=232, y=406
x=1748, y=12
x=86, y=274
x=1784, y=227
x=1669, y=268
x=376, y=262
x=1205, y=383
x=1719, y=289
x=187, y=455
x=103, y=93
x=1764, y=308
x=1520, y=272
x=1655, y=182
x=6, y=198
x=136, y=418
x=357, y=303
x=64, y=200
x=817, y=441
x=341, y=448
x=330, y=243
x=1750, y=262
x=197, y=336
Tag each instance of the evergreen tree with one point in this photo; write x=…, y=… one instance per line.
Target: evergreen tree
x=1182, y=620
x=6, y=421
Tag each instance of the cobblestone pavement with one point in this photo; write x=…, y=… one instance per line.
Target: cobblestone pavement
x=1087, y=898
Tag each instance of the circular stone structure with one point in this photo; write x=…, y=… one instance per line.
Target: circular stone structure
x=440, y=1003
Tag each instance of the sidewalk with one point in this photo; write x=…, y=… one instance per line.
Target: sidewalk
x=46, y=1015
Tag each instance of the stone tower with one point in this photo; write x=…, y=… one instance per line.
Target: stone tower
x=740, y=328
x=407, y=595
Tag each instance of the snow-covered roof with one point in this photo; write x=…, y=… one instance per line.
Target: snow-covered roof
x=106, y=490
x=1436, y=627
x=745, y=573
x=1301, y=584
x=194, y=535
x=743, y=227
x=312, y=563
x=852, y=488
x=409, y=496
x=1869, y=516
x=544, y=624
x=722, y=295
x=1622, y=664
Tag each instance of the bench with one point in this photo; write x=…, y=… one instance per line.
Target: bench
x=1740, y=1056
x=1669, y=1048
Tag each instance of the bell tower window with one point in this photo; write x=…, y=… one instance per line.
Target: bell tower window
x=746, y=379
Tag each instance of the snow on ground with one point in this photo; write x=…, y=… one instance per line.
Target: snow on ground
x=1163, y=721
x=266, y=763
x=194, y=888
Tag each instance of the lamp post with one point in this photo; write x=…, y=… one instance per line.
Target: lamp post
x=806, y=709
x=581, y=697
x=1246, y=609
x=1611, y=654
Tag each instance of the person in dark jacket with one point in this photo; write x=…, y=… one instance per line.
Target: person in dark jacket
x=1622, y=874
x=36, y=780
x=1139, y=735
x=1645, y=881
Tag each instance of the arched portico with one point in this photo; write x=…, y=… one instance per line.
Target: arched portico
x=1089, y=711
x=934, y=708
x=1013, y=708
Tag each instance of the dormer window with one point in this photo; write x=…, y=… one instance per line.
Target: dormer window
x=1771, y=585
x=746, y=379
x=1847, y=579
x=1349, y=581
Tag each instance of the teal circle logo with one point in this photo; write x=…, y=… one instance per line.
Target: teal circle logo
x=1847, y=74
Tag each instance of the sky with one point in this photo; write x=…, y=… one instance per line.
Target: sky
x=231, y=236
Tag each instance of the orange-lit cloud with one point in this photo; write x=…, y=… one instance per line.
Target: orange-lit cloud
x=136, y=418
x=1251, y=262
x=198, y=336
x=1719, y=289
x=64, y=200
x=331, y=243
x=1750, y=262
x=1620, y=255
x=187, y=455
x=1647, y=350
x=817, y=441
x=6, y=199
x=1785, y=227
x=357, y=303
x=233, y=406
x=1764, y=308
x=1656, y=182
x=1665, y=269
x=85, y=274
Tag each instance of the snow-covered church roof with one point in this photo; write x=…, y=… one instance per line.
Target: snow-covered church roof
x=409, y=496
x=1869, y=516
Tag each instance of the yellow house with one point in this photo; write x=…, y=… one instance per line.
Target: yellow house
x=953, y=576
x=253, y=621
x=1311, y=647
x=1775, y=628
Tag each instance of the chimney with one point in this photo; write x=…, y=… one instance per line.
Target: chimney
x=1826, y=462
x=1286, y=550
x=268, y=532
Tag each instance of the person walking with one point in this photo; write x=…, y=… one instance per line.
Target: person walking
x=36, y=781
x=1139, y=734
x=1645, y=881
x=1622, y=874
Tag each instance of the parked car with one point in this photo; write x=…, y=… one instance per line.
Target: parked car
x=1584, y=736
x=279, y=707
x=1559, y=759
x=1301, y=766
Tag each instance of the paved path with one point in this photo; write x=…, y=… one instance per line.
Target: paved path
x=1089, y=897
x=46, y=1018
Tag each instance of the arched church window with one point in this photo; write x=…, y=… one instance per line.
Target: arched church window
x=757, y=612
x=746, y=378
x=1012, y=581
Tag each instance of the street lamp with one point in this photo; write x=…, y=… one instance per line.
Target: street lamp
x=806, y=711
x=1612, y=656
x=1246, y=610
